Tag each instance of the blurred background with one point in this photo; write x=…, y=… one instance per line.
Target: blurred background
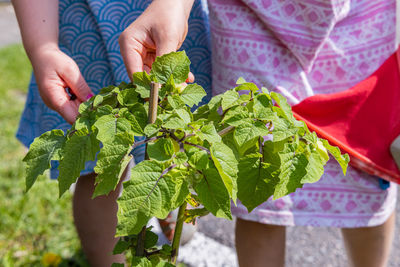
x=36, y=229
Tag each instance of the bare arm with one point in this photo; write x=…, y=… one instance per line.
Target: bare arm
x=54, y=70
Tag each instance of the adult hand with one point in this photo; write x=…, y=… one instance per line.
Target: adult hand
x=161, y=29
x=54, y=72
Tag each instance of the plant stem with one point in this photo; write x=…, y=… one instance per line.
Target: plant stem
x=153, y=104
x=226, y=130
x=178, y=232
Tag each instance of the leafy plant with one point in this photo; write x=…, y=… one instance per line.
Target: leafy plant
x=244, y=144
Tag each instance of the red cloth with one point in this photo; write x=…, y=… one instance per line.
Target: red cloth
x=362, y=121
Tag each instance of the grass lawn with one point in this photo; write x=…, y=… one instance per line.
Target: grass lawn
x=38, y=223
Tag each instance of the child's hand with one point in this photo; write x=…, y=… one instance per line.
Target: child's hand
x=161, y=29
x=55, y=71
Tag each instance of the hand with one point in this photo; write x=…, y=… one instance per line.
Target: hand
x=161, y=29
x=54, y=72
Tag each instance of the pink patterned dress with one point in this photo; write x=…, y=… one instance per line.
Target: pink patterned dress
x=300, y=48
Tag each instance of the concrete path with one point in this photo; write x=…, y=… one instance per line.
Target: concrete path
x=213, y=244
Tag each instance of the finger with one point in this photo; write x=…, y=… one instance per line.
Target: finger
x=132, y=55
x=69, y=111
x=57, y=99
x=75, y=81
x=190, y=78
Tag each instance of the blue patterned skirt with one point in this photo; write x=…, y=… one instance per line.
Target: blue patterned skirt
x=89, y=32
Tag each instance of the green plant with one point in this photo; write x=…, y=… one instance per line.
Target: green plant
x=205, y=159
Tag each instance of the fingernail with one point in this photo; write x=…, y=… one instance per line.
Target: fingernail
x=89, y=96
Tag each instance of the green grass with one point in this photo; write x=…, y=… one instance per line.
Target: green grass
x=35, y=223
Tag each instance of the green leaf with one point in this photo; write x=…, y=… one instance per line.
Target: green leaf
x=193, y=94
x=140, y=114
x=243, y=85
x=174, y=123
x=111, y=162
x=256, y=181
x=121, y=246
x=236, y=115
x=184, y=115
x=246, y=134
x=343, y=160
x=212, y=192
x=81, y=147
x=227, y=165
x=135, y=126
x=151, y=129
x=141, y=262
x=229, y=99
x=110, y=125
x=175, y=63
x=151, y=239
x=175, y=101
x=161, y=150
x=293, y=170
x=43, y=149
x=314, y=168
x=148, y=193
x=263, y=108
x=209, y=133
x=143, y=83
x=127, y=97
x=199, y=160
x=285, y=107
x=117, y=264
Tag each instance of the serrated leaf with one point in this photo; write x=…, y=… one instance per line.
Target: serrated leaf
x=127, y=97
x=256, y=181
x=199, y=159
x=135, y=126
x=292, y=170
x=314, y=168
x=209, y=133
x=174, y=123
x=175, y=63
x=140, y=114
x=193, y=94
x=284, y=106
x=229, y=99
x=110, y=125
x=145, y=195
x=263, y=108
x=43, y=149
x=161, y=150
x=175, y=101
x=142, y=82
x=246, y=134
x=184, y=115
x=151, y=129
x=112, y=160
x=180, y=158
x=236, y=115
x=343, y=160
x=213, y=194
x=79, y=148
x=141, y=262
x=227, y=165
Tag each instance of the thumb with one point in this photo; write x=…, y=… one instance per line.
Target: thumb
x=77, y=84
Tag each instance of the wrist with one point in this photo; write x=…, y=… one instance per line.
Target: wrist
x=36, y=51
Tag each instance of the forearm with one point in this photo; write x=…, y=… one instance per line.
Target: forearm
x=38, y=22
x=187, y=5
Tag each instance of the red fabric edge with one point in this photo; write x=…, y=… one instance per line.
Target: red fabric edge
x=356, y=159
